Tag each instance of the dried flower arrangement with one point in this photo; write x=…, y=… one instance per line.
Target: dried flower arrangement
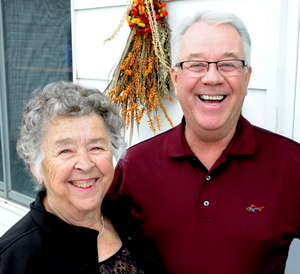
x=141, y=80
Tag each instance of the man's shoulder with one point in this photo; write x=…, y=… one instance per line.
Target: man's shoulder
x=272, y=137
x=154, y=142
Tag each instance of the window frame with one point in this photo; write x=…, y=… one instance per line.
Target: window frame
x=7, y=192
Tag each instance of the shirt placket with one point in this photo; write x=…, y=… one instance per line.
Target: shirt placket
x=206, y=200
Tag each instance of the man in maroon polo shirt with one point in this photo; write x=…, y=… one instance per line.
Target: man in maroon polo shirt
x=215, y=194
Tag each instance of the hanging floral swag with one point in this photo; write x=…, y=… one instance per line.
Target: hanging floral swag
x=141, y=80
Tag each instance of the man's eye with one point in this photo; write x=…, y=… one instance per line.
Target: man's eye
x=227, y=65
x=197, y=65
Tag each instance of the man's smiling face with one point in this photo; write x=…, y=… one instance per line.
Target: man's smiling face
x=211, y=102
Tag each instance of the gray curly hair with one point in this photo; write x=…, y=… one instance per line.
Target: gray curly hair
x=210, y=17
x=64, y=98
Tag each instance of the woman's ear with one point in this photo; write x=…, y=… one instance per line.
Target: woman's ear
x=33, y=171
x=114, y=161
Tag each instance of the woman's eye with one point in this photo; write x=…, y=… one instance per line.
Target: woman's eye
x=65, y=151
x=97, y=148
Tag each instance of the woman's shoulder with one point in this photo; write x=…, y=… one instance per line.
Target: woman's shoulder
x=20, y=234
x=18, y=245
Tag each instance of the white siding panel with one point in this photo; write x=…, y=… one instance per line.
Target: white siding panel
x=94, y=60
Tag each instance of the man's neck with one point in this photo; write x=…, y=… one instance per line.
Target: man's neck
x=208, y=145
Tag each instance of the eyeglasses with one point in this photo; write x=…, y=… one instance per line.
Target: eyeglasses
x=230, y=67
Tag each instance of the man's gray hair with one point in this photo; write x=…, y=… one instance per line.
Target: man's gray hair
x=210, y=17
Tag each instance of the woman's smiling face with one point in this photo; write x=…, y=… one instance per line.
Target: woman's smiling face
x=77, y=168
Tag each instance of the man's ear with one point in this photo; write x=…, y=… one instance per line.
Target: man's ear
x=174, y=76
x=248, y=75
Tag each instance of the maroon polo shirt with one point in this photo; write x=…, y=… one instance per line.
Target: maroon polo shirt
x=237, y=218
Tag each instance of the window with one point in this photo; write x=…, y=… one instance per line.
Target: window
x=35, y=50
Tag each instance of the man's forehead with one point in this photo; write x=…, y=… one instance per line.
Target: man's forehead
x=203, y=38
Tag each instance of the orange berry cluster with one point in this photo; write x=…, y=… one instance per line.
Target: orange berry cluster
x=139, y=15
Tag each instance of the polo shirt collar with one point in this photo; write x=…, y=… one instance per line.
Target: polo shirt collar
x=178, y=146
x=242, y=143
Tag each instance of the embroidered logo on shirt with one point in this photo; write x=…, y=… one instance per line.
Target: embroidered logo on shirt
x=254, y=208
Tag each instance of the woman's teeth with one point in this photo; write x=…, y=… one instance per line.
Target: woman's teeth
x=84, y=184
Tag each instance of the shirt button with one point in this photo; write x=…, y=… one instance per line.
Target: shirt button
x=206, y=203
x=208, y=178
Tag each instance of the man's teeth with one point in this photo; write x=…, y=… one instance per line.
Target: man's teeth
x=211, y=97
x=84, y=184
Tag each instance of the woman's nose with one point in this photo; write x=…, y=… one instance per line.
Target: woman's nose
x=84, y=162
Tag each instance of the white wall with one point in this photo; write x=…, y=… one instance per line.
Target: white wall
x=294, y=69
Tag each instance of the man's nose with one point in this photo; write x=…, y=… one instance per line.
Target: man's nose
x=212, y=76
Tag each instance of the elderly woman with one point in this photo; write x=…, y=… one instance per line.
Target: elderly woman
x=71, y=139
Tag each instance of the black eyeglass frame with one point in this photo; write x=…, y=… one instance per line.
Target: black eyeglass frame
x=180, y=64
